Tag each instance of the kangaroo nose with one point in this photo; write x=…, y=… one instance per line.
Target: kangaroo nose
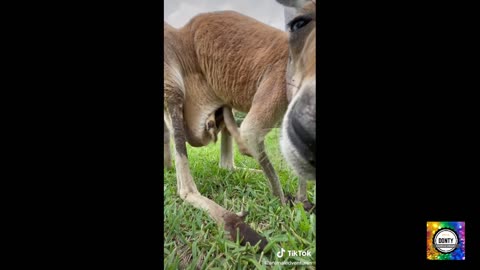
x=303, y=125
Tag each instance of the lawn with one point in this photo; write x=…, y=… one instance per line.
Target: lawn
x=192, y=240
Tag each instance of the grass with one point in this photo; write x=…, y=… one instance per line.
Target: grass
x=192, y=240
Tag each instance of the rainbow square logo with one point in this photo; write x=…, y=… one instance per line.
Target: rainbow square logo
x=446, y=240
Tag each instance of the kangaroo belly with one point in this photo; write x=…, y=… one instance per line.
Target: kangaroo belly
x=200, y=104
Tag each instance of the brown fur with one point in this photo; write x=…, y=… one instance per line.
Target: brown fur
x=223, y=57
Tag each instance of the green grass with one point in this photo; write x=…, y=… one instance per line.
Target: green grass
x=194, y=241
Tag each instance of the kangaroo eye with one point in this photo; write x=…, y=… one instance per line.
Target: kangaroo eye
x=298, y=23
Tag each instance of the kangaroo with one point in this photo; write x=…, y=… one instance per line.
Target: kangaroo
x=217, y=60
x=298, y=132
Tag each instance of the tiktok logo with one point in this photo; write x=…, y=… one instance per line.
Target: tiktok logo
x=294, y=253
x=280, y=253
